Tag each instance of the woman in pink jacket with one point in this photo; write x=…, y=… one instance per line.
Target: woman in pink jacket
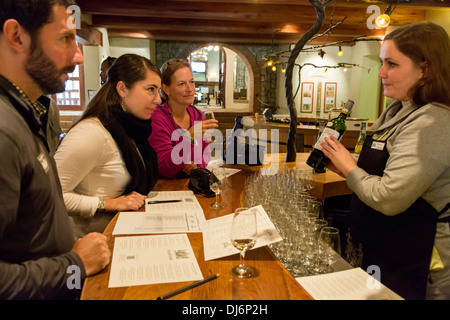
x=177, y=126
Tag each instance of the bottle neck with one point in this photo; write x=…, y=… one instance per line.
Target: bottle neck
x=343, y=114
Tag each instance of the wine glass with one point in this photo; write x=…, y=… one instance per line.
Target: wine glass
x=315, y=206
x=329, y=247
x=216, y=182
x=209, y=115
x=243, y=237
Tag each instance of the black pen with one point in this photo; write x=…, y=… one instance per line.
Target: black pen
x=189, y=287
x=162, y=201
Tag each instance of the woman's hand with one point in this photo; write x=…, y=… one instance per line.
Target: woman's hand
x=203, y=126
x=131, y=201
x=188, y=167
x=342, y=161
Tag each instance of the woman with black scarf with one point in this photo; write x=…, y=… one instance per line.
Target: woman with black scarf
x=105, y=162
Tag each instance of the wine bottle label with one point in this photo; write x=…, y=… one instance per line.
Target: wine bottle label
x=327, y=132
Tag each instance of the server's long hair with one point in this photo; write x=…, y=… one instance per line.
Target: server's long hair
x=427, y=45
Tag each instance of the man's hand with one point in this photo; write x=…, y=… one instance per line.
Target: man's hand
x=93, y=251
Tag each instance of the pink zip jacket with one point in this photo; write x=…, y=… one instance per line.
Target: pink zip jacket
x=170, y=142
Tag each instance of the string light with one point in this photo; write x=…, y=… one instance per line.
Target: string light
x=274, y=68
x=268, y=64
x=384, y=19
x=340, y=52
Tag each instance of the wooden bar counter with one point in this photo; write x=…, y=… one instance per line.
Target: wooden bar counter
x=274, y=282
x=306, y=134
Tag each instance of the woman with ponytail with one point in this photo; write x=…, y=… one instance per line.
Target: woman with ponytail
x=105, y=162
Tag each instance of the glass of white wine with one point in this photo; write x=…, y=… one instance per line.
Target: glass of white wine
x=216, y=182
x=243, y=237
x=208, y=134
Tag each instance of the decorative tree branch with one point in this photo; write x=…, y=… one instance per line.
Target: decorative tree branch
x=319, y=6
x=328, y=30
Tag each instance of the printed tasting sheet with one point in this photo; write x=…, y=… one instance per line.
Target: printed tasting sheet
x=353, y=284
x=162, y=215
x=216, y=234
x=151, y=259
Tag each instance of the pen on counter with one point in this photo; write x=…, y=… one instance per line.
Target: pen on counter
x=162, y=201
x=189, y=287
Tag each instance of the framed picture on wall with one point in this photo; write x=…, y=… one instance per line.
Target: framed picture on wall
x=306, y=103
x=330, y=96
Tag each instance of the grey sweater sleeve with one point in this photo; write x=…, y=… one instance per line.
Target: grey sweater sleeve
x=38, y=270
x=45, y=278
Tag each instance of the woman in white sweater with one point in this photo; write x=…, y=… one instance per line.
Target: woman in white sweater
x=105, y=162
x=400, y=209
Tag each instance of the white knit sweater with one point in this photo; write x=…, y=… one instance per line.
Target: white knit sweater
x=90, y=166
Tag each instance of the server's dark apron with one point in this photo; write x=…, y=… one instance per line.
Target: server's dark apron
x=400, y=245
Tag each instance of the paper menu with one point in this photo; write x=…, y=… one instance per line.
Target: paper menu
x=167, y=217
x=216, y=234
x=157, y=222
x=141, y=260
x=353, y=284
x=188, y=201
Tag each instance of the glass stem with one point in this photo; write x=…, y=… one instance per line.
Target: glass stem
x=242, y=256
x=217, y=197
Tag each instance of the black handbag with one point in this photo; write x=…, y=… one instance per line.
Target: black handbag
x=199, y=182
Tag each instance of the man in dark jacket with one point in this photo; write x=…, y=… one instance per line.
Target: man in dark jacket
x=38, y=257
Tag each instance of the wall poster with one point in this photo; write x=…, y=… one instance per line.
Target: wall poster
x=307, y=97
x=330, y=96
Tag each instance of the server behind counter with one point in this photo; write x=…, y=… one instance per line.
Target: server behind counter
x=401, y=183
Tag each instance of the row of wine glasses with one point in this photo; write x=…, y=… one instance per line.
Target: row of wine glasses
x=320, y=255
x=309, y=245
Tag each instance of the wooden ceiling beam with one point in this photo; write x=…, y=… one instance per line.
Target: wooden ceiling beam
x=175, y=25
x=232, y=12
x=217, y=38
x=243, y=21
x=340, y=3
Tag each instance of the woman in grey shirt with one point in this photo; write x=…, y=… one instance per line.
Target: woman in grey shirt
x=401, y=183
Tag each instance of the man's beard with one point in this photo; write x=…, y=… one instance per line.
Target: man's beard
x=44, y=72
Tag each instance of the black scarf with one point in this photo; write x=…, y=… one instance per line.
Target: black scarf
x=124, y=128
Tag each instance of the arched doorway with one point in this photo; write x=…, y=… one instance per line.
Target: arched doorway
x=254, y=78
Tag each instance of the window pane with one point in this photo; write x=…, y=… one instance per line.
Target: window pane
x=75, y=73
